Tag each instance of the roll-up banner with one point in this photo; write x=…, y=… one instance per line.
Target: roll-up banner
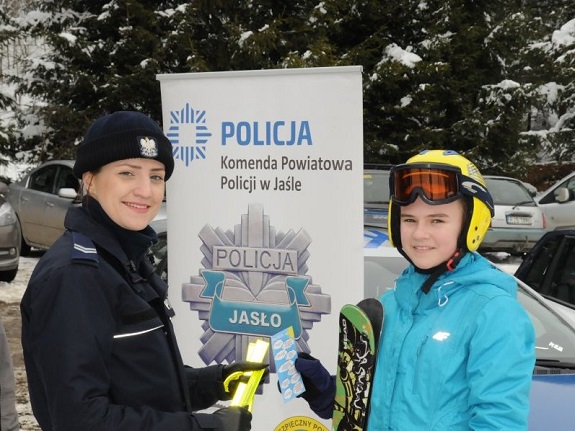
x=265, y=217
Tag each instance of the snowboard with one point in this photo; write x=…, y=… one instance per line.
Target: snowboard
x=359, y=331
x=374, y=310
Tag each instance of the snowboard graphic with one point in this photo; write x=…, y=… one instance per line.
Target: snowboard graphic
x=374, y=310
x=359, y=330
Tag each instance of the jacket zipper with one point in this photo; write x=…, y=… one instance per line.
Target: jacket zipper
x=417, y=364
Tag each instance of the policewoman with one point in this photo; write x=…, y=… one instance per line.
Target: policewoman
x=457, y=349
x=99, y=346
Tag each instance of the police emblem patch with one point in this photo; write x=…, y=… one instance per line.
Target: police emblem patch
x=148, y=146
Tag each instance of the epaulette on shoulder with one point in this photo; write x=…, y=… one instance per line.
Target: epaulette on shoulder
x=84, y=250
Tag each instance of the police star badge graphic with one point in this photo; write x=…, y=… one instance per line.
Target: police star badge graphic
x=254, y=284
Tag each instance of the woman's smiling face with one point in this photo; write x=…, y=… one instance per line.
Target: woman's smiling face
x=130, y=191
x=429, y=233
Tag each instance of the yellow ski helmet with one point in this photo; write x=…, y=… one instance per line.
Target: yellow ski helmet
x=440, y=177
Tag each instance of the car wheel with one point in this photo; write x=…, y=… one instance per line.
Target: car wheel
x=8, y=276
x=24, y=247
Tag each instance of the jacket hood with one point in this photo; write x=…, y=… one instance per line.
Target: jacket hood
x=472, y=272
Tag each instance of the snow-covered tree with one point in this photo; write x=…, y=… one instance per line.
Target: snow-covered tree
x=491, y=78
x=552, y=116
x=99, y=57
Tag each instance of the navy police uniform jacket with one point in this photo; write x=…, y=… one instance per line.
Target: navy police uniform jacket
x=99, y=347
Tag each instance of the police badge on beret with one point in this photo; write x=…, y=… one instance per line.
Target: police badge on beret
x=148, y=146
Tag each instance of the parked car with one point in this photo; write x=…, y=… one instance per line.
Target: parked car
x=375, y=195
x=41, y=200
x=558, y=203
x=549, y=268
x=518, y=222
x=530, y=188
x=9, y=238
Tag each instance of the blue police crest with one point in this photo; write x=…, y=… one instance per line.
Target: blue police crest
x=254, y=283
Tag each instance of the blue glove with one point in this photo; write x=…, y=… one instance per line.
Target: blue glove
x=319, y=385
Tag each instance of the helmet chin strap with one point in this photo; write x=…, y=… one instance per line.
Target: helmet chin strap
x=448, y=265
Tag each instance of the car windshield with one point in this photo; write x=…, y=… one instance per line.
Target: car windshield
x=376, y=187
x=554, y=338
x=506, y=192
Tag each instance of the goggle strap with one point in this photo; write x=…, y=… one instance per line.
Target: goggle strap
x=473, y=188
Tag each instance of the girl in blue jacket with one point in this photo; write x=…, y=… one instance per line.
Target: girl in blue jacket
x=457, y=349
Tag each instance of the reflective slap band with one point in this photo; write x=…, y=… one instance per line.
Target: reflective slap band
x=245, y=392
x=232, y=377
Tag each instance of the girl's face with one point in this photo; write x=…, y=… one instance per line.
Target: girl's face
x=429, y=233
x=130, y=191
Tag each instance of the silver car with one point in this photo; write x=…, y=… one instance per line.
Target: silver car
x=41, y=200
x=518, y=222
x=9, y=238
x=558, y=203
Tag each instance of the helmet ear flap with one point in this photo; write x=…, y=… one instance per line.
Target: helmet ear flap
x=393, y=225
x=478, y=224
x=468, y=215
x=394, y=230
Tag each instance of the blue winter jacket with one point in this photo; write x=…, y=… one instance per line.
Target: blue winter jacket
x=459, y=358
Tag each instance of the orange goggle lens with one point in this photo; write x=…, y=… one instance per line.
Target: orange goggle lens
x=434, y=185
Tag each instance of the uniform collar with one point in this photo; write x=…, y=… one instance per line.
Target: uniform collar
x=129, y=247
x=134, y=243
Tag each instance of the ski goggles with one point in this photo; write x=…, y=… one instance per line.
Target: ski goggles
x=435, y=185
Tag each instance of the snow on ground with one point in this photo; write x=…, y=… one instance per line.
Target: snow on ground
x=10, y=295
x=12, y=292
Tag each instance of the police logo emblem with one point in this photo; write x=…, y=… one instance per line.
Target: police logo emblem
x=254, y=283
